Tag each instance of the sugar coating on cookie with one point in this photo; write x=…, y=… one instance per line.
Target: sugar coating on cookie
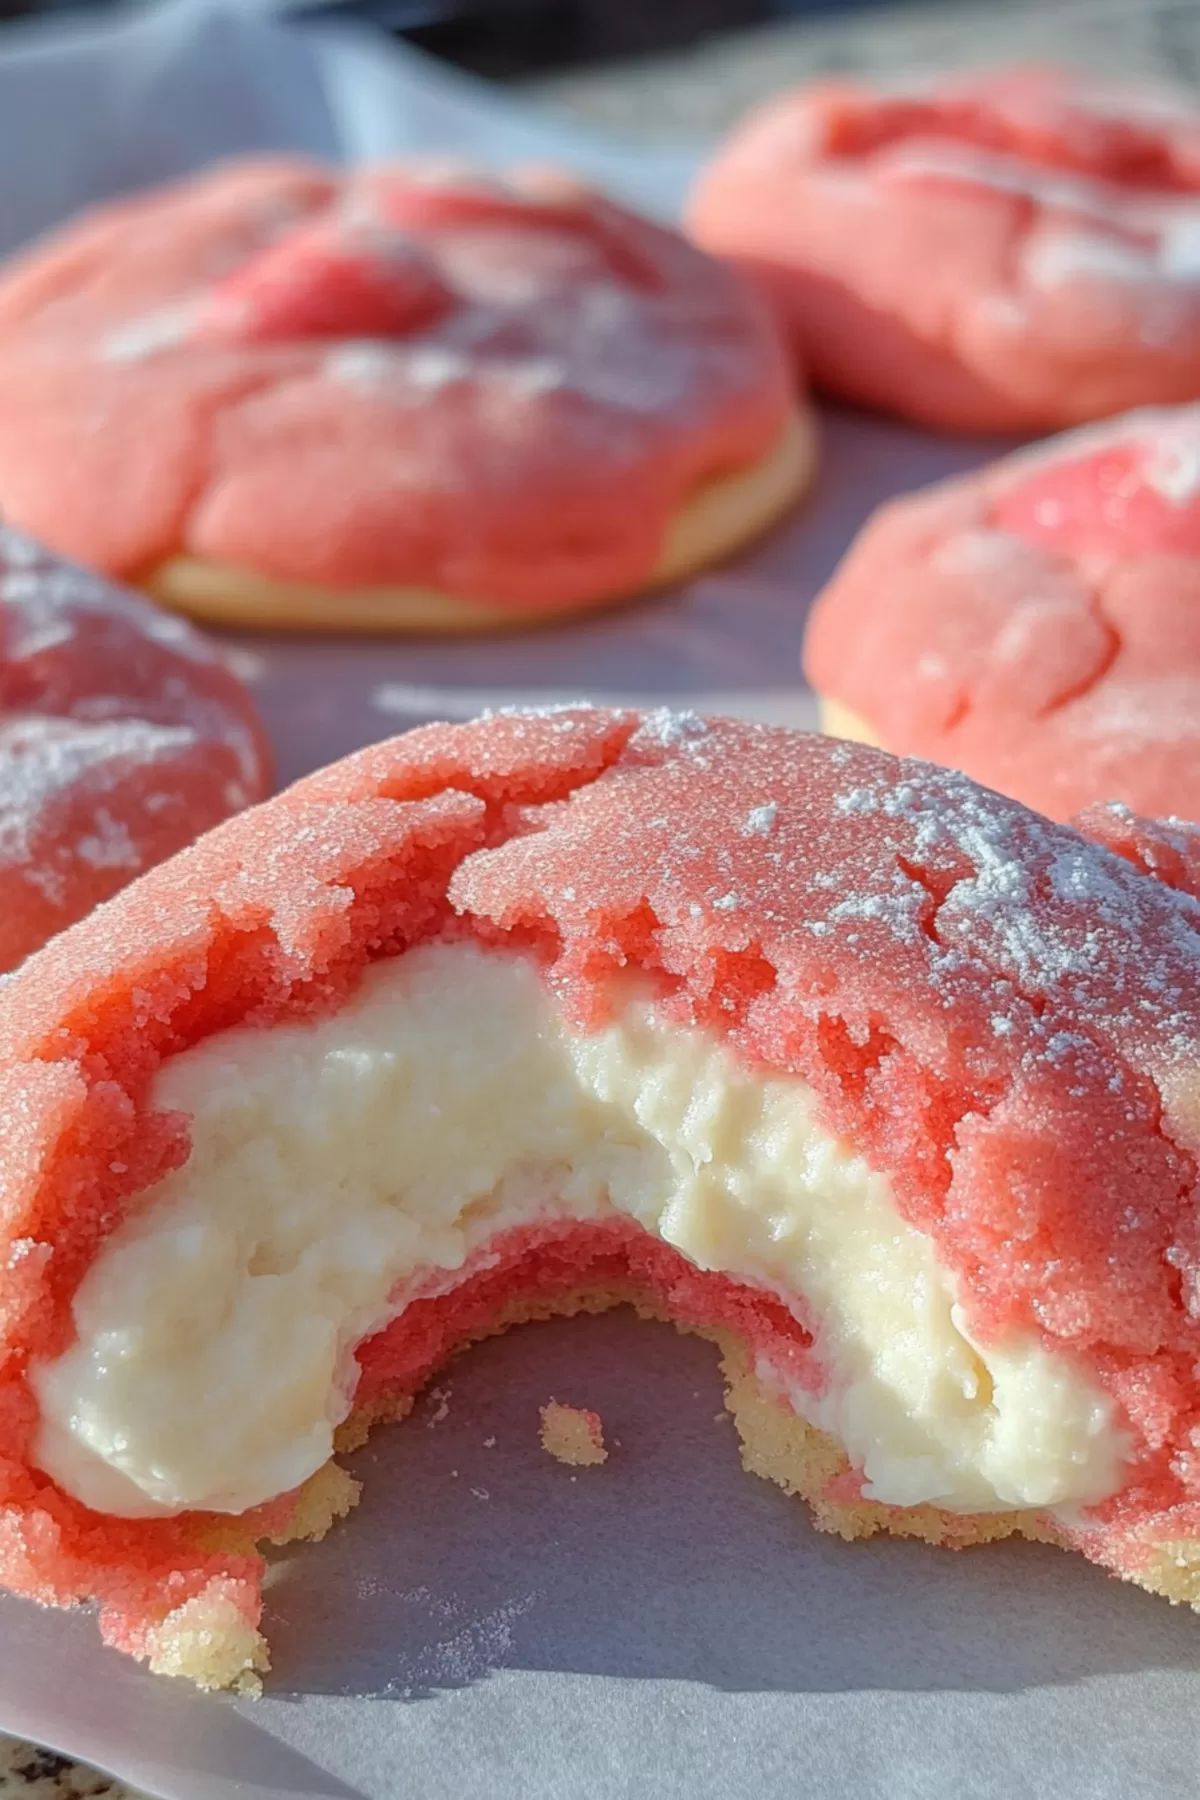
x=280, y=380
x=123, y=736
x=1036, y=624
x=1168, y=849
x=883, y=1081
x=1005, y=250
x=572, y=1434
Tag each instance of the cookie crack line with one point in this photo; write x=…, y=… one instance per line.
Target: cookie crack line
x=506, y=816
x=1051, y=218
x=1072, y=693
x=197, y=491
x=1039, y=1005
x=942, y=894
x=975, y=118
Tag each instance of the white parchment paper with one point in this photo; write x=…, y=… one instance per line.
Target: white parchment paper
x=490, y=1625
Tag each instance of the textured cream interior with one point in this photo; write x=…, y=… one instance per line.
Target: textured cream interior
x=719, y=518
x=337, y=1166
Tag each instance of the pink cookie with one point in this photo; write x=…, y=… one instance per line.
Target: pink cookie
x=1012, y=250
x=409, y=398
x=1036, y=624
x=881, y=1080
x=122, y=737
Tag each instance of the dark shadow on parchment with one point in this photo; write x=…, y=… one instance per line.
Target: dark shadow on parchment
x=667, y=1563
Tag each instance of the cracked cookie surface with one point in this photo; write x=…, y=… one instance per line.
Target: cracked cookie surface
x=1000, y=250
x=1036, y=624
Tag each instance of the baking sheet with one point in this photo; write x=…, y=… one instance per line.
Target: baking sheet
x=490, y=1625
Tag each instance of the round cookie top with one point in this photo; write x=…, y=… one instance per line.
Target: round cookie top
x=410, y=374
x=1003, y=250
x=1036, y=624
x=122, y=737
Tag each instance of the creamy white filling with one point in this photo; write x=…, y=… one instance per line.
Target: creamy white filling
x=335, y=1162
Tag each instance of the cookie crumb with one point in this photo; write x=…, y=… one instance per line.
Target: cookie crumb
x=573, y=1435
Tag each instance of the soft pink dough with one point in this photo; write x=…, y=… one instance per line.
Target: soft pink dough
x=1036, y=625
x=1013, y=250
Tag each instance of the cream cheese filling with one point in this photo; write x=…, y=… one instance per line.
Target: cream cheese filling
x=335, y=1162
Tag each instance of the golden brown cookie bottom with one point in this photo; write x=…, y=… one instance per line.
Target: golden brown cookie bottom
x=719, y=519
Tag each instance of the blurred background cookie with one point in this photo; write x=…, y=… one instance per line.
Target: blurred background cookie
x=1036, y=624
x=409, y=398
x=123, y=736
x=1012, y=250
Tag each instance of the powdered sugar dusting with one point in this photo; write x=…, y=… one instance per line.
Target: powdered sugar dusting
x=670, y=728
x=466, y=1645
x=110, y=844
x=998, y=906
x=1084, y=228
x=1054, y=257
x=1172, y=468
x=147, y=336
x=1052, y=188
x=426, y=367
x=760, y=820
